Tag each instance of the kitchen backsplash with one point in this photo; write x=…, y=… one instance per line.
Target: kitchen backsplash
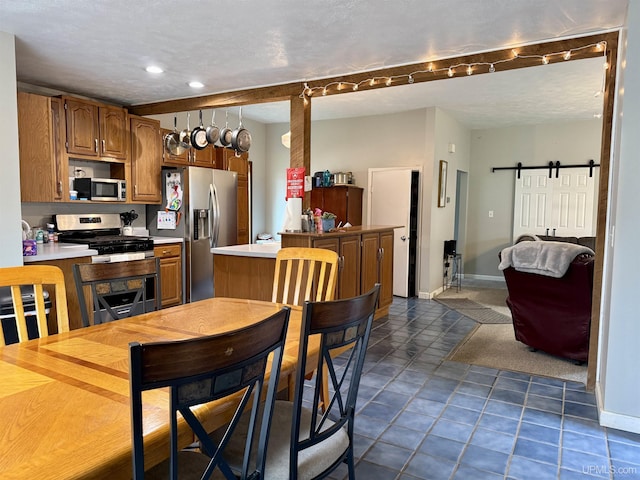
x=39, y=214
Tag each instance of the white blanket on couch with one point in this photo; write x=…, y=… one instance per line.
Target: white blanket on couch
x=544, y=258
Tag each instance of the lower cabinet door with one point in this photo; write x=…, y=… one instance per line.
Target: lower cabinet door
x=170, y=274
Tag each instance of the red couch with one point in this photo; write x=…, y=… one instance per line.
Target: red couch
x=553, y=314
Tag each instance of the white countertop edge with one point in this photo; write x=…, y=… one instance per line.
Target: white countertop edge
x=59, y=251
x=260, y=250
x=164, y=240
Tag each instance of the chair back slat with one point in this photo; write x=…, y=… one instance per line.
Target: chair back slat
x=29, y=282
x=304, y=274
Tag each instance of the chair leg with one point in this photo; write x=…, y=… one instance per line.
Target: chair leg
x=350, y=465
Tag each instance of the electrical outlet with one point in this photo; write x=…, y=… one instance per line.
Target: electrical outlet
x=490, y=213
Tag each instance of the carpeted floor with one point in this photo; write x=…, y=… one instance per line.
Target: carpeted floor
x=484, y=305
x=495, y=346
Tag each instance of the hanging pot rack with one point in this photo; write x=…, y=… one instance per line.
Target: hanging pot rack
x=551, y=166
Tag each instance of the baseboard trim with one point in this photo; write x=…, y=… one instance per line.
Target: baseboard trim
x=493, y=278
x=615, y=420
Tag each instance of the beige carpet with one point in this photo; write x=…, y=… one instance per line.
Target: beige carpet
x=495, y=346
x=484, y=305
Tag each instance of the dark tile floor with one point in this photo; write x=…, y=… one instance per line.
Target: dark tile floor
x=422, y=417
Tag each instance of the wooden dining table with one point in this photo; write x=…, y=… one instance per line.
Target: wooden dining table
x=65, y=403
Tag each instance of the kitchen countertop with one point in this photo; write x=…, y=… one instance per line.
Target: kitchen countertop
x=58, y=251
x=163, y=240
x=261, y=250
x=61, y=250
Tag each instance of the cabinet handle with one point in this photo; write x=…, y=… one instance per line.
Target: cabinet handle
x=96, y=144
x=59, y=188
x=340, y=262
x=164, y=252
x=104, y=147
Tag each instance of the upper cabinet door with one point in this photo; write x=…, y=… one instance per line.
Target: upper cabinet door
x=113, y=132
x=82, y=128
x=95, y=130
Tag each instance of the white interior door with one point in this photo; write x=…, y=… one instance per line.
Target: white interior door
x=390, y=204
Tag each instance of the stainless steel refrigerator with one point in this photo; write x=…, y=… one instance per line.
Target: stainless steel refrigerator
x=206, y=218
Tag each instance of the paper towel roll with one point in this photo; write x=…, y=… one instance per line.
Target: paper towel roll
x=292, y=220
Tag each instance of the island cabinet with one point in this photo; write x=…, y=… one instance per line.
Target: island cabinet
x=146, y=161
x=95, y=130
x=41, y=133
x=365, y=257
x=170, y=273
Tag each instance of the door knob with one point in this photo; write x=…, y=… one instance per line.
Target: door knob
x=403, y=238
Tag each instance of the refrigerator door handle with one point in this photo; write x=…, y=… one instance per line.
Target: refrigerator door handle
x=214, y=216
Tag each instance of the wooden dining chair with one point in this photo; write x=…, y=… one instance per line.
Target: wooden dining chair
x=304, y=274
x=310, y=443
x=230, y=367
x=118, y=290
x=24, y=288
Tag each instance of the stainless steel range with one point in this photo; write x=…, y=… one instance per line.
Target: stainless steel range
x=101, y=232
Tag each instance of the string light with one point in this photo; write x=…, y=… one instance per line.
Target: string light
x=450, y=70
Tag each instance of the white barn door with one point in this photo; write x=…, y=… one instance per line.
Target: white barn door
x=563, y=206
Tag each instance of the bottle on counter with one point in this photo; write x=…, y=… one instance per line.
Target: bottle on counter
x=50, y=232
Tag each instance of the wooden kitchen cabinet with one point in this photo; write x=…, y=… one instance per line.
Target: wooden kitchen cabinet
x=170, y=273
x=43, y=167
x=377, y=264
x=242, y=166
x=146, y=161
x=190, y=157
x=365, y=258
x=345, y=201
x=348, y=250
x=95, y=130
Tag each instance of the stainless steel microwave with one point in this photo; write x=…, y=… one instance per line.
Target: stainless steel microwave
x=101, y=189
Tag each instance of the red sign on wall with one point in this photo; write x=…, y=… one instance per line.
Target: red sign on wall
x=295, y=182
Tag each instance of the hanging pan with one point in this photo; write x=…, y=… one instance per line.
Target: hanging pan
x=213, y=132
x=185, y=135
x=172, y=140
x=240, y=138
x=226, y=132
x=199, y=136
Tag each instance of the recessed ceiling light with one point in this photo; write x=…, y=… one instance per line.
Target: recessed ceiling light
x=195, y=84
x=154, y=69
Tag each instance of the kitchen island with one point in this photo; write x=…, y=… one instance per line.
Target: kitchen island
x=244, y=271
x=365, y=255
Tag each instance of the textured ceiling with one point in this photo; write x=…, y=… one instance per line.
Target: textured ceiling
x=99, y=49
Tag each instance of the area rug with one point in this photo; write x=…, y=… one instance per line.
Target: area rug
x=484, y=305
x=495, y=346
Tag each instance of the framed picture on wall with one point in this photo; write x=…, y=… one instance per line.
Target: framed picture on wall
x=442, y=184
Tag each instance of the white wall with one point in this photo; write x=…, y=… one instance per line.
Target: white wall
x=569, y=142
x=11, y=233
x=619, y=387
